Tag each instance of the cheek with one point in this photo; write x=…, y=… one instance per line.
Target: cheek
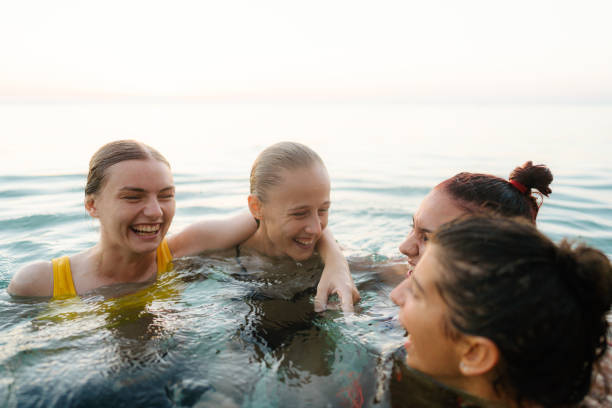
x=270, y=219
x=277, y=228
x=413, y=322
x=421, y=244
x=171, y=209
x=324, y=219
x=292, y=227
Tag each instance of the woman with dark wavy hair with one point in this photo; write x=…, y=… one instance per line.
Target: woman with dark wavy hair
x=498, y=310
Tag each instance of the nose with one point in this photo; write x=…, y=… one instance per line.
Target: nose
x=315, y=225
x=153, y=209
x=398, y=293
x=410, y=247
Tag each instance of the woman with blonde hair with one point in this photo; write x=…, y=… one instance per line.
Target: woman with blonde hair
x=130, y=190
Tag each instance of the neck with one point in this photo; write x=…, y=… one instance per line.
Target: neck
x=260, y=242
x=482, y=387
x=116, y=265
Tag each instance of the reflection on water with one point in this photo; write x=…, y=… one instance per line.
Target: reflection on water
x=209, y=334
x=212, y=334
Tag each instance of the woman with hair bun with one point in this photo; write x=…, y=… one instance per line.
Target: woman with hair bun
x=469, y=193
x=496, y=309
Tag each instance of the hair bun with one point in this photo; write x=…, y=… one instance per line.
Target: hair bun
x=533, y=176
x=591, y=273
x=587, y=272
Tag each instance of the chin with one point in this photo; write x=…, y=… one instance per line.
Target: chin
x=146, y=249
x=302, y=257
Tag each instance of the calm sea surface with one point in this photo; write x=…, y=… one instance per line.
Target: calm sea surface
x=205, y=336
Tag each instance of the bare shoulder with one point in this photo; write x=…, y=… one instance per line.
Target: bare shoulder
x=35, y=279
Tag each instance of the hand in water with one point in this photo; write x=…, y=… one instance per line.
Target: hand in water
x=336, y=280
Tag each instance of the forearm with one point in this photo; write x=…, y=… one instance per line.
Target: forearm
x=212, y=235
x=336, y=276
x=330, y=252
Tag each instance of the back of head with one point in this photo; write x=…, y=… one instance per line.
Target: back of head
x=512, y=197
x=543, y=305
x=113, y=153
x=267, y=168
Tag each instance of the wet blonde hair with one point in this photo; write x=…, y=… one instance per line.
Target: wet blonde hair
x=267, y=168
x=113, y=153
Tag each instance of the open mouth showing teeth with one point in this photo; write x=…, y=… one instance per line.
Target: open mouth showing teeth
x=304, y=242
x=409, y=269
x=145, y=229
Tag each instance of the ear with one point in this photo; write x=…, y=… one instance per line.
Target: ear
x=255, y=206
x=90, y=206
x=479, y=357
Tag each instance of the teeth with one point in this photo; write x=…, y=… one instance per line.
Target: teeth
x=304, y=242
x=146, y=228
x=409, y=269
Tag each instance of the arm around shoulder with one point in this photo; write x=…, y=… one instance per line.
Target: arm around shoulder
x=212, y=234
x=33, y=280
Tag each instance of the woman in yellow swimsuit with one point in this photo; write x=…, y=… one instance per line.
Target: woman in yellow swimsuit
x=130, y=190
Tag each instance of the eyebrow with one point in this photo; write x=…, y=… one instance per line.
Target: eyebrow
x=425, y=230
x=142, y=190
x=305, y=207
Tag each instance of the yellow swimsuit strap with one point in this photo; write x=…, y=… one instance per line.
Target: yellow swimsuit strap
x=62, y=274
x=62, y=277
x=164, y=257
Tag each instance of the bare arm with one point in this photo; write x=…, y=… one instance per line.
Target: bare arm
x=336, y=277
x=212, y=234
x=390, y=271
x=33, y=280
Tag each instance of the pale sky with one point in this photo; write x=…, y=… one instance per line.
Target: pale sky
x=521, y=50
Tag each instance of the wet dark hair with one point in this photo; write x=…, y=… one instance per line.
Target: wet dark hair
x=474, y=191
x=543, y=305
x=113, y=153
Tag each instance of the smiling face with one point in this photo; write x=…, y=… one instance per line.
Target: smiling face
x=294, y=214
x=437, y=208
x=423, y=313
x=135, y=205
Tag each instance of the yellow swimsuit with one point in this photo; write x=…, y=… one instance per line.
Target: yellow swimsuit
x=63, y=285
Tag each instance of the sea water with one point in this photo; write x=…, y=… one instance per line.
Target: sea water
x=203, y=335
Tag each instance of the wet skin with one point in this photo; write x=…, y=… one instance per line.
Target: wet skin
x=293, y=215
x=437, y=208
